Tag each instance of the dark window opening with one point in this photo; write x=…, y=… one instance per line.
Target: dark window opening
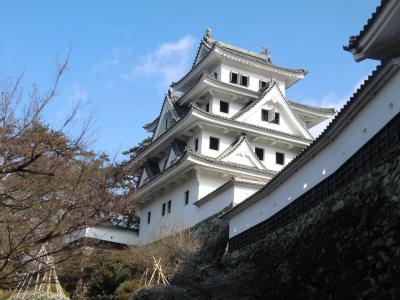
x=186, y=197
x=244, y=80
x=280, y=158
x=208, y=107
x=196, y=144
x=262, y=84
x=148, y=217
x=276, y=119
x=214, y=143
x=169, y=206
x=234, y=78
x=260, y=153
x=264, y=115
x=215, y=75
x=163, y=209
x=223, y=106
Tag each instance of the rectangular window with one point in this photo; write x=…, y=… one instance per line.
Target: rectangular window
x=280, y=158
x=260, y=153
x=164, y=205
x=224, y=107
x=186, y=197
x=169, y=206
x=148, y=217
x=264, y=115
x=276, y=119
x=244, y=80
x=215, y=75
x=234, y=78
x=208, y=107
x=262, y=84
x=214, y=143
x=196, y=144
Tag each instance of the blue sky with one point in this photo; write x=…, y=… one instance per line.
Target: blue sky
x=125, y=53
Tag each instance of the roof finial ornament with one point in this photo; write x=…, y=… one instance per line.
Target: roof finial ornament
x=209, y=32
x=266, y=52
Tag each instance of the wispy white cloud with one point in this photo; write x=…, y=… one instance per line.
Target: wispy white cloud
x=167, y=63
x=334, y=100
x=118, y=56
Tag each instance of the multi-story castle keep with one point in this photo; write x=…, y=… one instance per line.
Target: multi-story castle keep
x=225, y=129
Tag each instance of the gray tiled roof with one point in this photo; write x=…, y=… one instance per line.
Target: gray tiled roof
x=188, y=152
x=329, y=110
x=355, y=39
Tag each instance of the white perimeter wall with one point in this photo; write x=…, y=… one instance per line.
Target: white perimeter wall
x=105, y=233
x=237, y=192
x=383, y=107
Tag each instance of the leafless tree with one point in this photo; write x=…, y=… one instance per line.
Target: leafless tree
x=50, y=184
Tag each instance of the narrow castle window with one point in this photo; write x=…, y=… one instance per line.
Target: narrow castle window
x=169, y=206
x=276, y=118
x=224, y=107
x=215, y=75
x=280, y=158
x=260, y=153
x=208, y=107
x=186, y=197
x=262, y=84
x=264, y=115
x=214, y=143
x=148, y=217
x=234, y=78
x=244, y=80
x=164, y=205
x=196, y=144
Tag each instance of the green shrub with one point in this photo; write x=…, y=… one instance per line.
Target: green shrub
x=109, y=276
x=126, y=288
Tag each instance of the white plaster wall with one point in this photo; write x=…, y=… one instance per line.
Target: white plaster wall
x=234, y=106
x=234, y=194
x=254, y=78
x=270, y=154
x=242, y=192
x=383, y=107
x=112, y=235
x=209, y=181
x=224, y=142
x=216, y=204
x=181, y=216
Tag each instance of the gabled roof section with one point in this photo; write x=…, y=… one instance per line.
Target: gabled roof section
x=171, y=108
x=208, y=44
x=176, y=152
x=256, y=105
x=240, y=152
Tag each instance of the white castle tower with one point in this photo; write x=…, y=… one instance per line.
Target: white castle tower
x=224, y=130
